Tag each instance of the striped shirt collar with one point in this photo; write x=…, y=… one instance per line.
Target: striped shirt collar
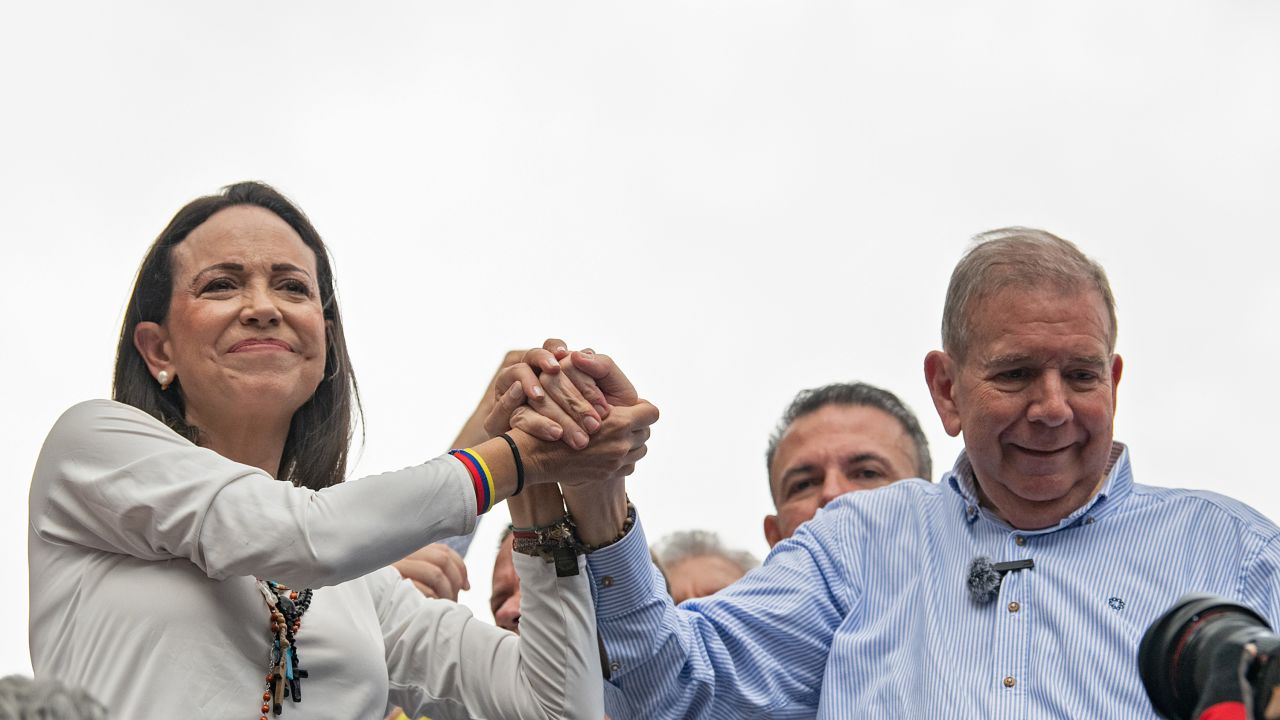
x=1118, y=483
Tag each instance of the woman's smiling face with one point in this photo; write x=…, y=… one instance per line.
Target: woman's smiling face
x=245, y=333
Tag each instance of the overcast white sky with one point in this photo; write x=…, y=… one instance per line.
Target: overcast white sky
x=735, y=199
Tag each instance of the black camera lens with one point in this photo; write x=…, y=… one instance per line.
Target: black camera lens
x=1175, y=654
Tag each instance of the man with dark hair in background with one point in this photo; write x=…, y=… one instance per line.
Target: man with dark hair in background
x=836, y=439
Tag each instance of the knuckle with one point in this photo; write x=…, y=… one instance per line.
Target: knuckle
x=588, y=390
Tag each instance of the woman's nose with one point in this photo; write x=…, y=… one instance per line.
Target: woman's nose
x=259, y=308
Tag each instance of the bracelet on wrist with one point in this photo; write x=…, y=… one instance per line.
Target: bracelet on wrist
x=555, y=543
x=481, y=478
x=515, y=455
x=627, y=523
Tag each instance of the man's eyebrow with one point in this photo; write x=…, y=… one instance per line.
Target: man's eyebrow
x=797, y=469
x=810, y=467
x=1007, y=359
x=1015, y=359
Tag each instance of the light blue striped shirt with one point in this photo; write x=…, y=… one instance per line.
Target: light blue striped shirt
x=865, y=611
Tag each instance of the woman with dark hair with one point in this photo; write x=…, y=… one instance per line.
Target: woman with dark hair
x=194, y=551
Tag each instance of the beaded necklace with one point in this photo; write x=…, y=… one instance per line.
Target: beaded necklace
x=287, y=608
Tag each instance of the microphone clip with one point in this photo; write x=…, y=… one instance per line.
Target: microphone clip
x=985, y=576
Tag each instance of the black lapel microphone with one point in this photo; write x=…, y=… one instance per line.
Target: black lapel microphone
x=985, y=576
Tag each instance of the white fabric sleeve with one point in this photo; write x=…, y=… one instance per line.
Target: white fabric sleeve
x=113, y=478
x=444, y=663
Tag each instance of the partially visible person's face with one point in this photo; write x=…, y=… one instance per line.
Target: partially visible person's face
x=1034, y=397
x=245, y=331
x=700, y=576
x=834, y=450
x=504, y=599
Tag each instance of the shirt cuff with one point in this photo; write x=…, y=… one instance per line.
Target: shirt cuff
x=441, y=482
x=537, y=574
x=623, y=575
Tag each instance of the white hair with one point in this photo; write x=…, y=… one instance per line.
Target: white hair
x=22, y=698
x=1018, y=257
x=684, y=544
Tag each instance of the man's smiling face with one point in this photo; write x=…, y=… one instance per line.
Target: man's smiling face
x=1035, y=397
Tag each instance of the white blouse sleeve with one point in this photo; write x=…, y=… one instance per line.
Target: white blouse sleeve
x=444, y=663
x=113, y=478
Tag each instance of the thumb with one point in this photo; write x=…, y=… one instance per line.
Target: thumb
x=612, y=382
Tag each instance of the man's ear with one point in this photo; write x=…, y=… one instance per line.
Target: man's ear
x=1117, y=366
x=940, y=373
x=771, y=532
x=152, y=342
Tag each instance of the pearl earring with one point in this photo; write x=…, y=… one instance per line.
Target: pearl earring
x=162, y=377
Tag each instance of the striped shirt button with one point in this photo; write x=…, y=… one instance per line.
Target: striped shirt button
x=1014, y=606
x=1020, y=540
x=606, y=581
x=1009, y=681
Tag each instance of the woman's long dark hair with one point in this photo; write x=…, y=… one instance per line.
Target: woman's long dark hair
x=316, y=449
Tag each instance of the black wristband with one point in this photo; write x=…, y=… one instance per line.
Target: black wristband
x=515, y=454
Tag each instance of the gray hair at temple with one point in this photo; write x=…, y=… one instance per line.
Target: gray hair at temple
x=684, y=544
x=22, y=698
x=858, y=394
x=1017, y=257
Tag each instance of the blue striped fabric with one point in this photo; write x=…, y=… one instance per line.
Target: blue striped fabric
x=865, y=612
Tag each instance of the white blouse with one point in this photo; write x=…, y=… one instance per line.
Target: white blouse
x=144, y=550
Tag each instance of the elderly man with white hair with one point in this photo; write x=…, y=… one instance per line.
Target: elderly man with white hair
x=697, y=563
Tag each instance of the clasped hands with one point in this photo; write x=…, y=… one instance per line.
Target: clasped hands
x=592, y=424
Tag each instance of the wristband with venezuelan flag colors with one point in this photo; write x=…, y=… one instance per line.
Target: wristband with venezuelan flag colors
x=480, y=476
